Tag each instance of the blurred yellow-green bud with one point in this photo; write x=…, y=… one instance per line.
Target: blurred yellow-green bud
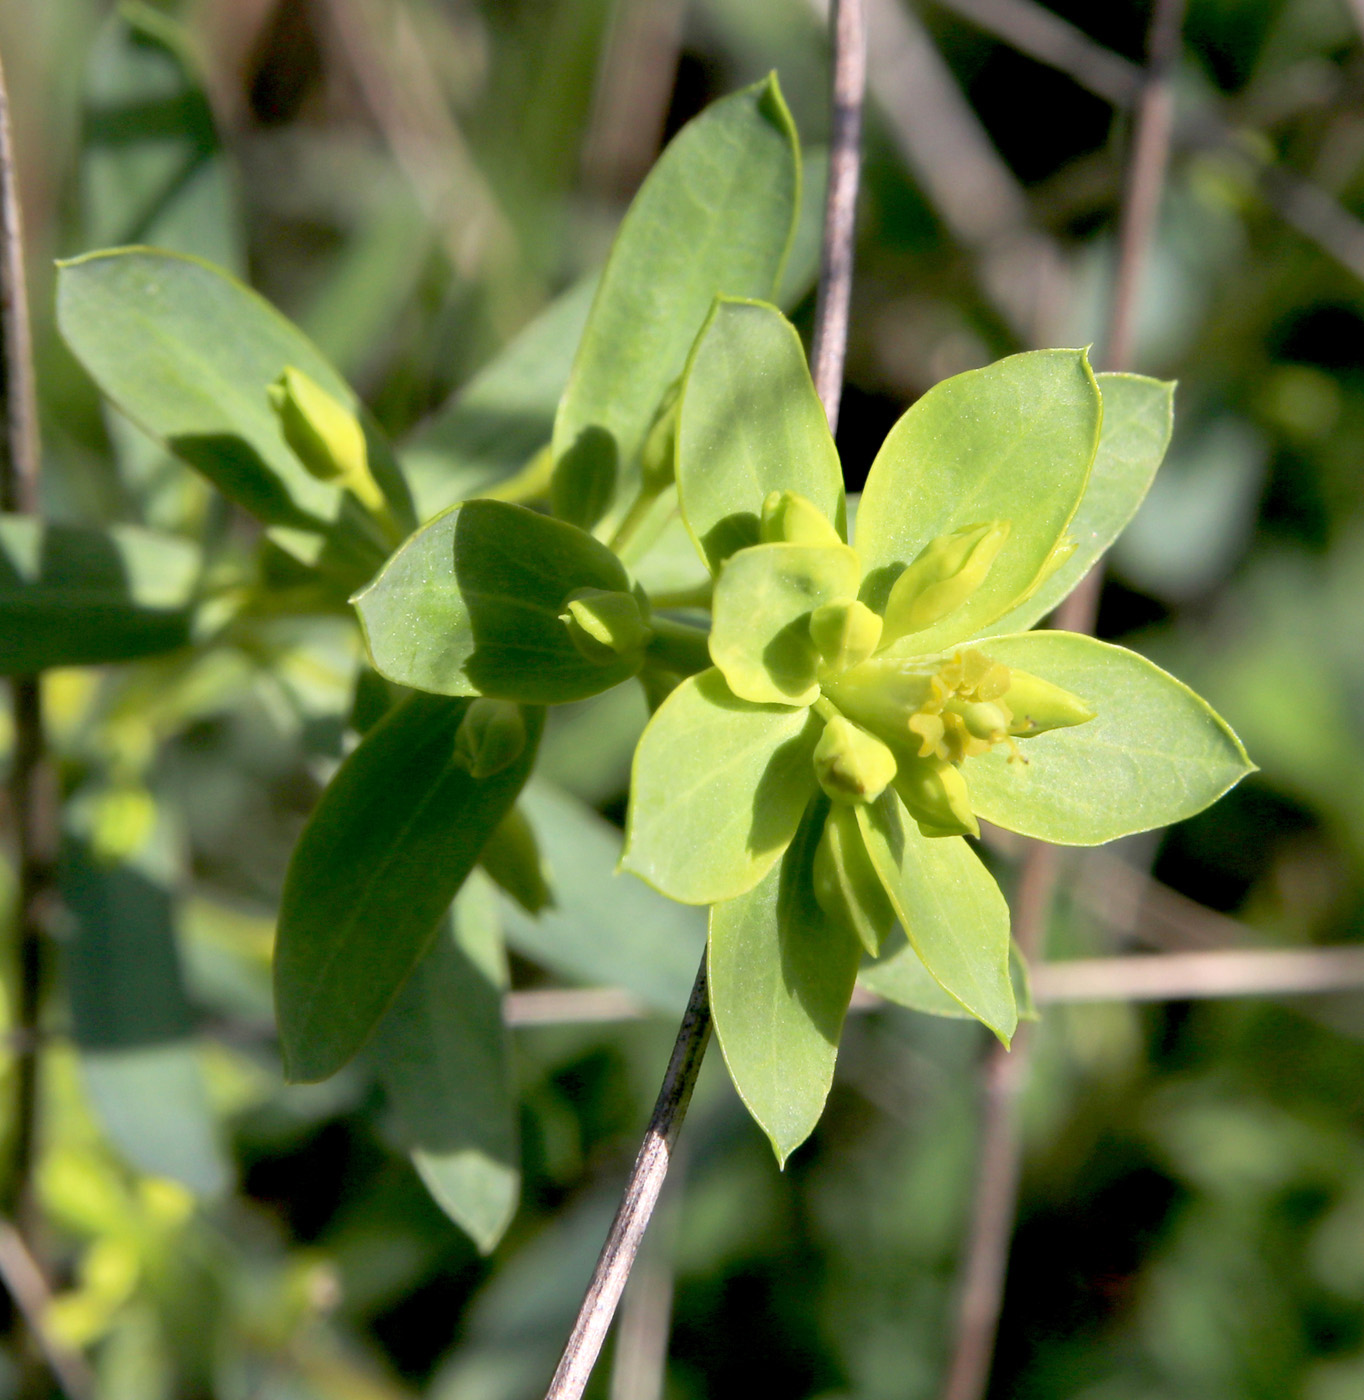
x=943, y=577
x=788, y=518
x=325, y=436
x=935, y=793
x=845, y=881
x=512, y=858
x=845, y=634
x=852, y=765
x=492, y=736
x=605, y=624
x=1036, y=706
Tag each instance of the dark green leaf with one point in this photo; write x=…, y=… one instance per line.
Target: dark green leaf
x=471, y=605
x=390, y=843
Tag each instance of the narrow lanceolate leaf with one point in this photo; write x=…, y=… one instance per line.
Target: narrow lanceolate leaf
x=1011, y=442
x=472, y=604
x=750, y=423
x=761, y=637
x=949, y=907
x=1156, y=752
x=717, y=790
x=392, y=840
x=602, y=927
x=497, y=422
x=781, y=977
x=188, y=353
x=74, y=596
x=715, y=217
x=153, y=170
x=1138, y=419
x=444, y=1060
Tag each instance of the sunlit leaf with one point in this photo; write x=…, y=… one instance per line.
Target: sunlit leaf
x=750, y=424
x=781, y=976
x=717, y=790
x=1156, y=752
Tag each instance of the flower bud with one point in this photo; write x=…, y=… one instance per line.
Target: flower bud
x=325, y=436
x=943, y=577
x=788, y=518
x=845, y=634
x=605, y=624
x=1037, y=706
x=935, y=793
x=846, y=886
x=491, y=736
x=852, y=765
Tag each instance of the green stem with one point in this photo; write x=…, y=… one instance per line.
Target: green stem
x=698, y=597
x=678, y=647
x=634, y=518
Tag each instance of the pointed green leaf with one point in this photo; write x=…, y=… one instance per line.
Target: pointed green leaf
x=1138, y=420
x=781, y=977
x=715, y=217
x=1011, y=442
x=1155, y=754
x=750, y=424
x=717, y=790
x=444, y=1060
x=497, y=422
x=188, y=353
x=153, y=170
x=949, y=907
x=391, y=841
x=472, y=604
x=74, y=596
x=760, y=638
x=602, y=928
x=901, y=977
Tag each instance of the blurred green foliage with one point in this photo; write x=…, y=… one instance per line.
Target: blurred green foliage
x=414, y=181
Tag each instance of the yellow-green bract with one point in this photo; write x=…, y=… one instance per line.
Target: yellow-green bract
x=868, y=677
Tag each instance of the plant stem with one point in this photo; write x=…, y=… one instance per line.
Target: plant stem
x=1000, y=1152
x=651, y=1166
x=849, y=26
x=678, y=646
x=641, y=1195
x=32, y=788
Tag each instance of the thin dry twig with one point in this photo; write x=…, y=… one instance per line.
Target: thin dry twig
x=637, y=1205
x=26, y=1285
x=849, y=25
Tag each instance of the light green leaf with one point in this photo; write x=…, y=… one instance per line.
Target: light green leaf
x=497, y=422
x=188, y=353
x=390, y=843
x=949, y=907
x=781, y=977
x=900, y=976
x=444, y=1061
x=1010, y=442
x=74, y=596
x=603, y=928
x=471, y=605
x=717, y=790
x=750, y=424
x=1155, y=754
x=760, y=638
x=714, y=217
x=801, y=272
x=1138, y=420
